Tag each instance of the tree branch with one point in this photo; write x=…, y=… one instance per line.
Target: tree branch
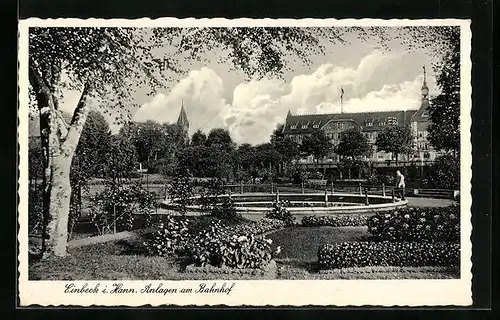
x=77, y=122
x=36, y=80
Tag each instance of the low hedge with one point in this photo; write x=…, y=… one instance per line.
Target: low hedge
x=417, y=224
x=335, y=221
x=397, y=254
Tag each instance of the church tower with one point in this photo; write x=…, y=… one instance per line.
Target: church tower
x=183, y=123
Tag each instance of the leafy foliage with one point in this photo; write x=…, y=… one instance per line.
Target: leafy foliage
x=199, y=138
x=279, y=211
x=217, y=245
x=350, y=220
x=417, y=224
x=317, y=144
x=181, y=189
x=352, y=144
x=396, y=254
x=395, y=139
x=444, y=173
x=118, y=206
x=444, y=110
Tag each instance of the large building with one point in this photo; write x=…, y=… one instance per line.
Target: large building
x=370, y=124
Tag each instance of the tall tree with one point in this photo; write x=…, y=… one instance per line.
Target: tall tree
x=93, y=147
x=199, y=138
x=287, y=147
x=222, y=138
x=444, y=110
x=317, y=144
x=396, y=140
x=353, y=144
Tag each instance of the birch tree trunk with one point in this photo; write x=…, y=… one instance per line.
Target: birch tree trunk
x=59, y=144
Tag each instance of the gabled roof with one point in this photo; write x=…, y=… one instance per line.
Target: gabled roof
x=361, y=119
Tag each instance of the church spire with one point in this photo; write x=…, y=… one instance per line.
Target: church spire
x=289, y=114
x=182, y=120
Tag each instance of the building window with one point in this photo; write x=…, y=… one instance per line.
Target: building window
x=392, y=120
x=304, y=126
x=369, y=124
x=316, y=126
x=293, y=127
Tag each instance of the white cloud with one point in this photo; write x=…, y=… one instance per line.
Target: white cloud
x=201, y=93
x=379, y=82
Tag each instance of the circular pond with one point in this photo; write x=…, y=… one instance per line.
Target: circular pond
x=300, y=203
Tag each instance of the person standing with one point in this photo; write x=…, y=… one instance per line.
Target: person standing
x=400, y=183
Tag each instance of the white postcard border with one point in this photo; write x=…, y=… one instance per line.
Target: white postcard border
x=259, y=292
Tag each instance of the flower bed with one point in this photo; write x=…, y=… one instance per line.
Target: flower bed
x=398, y=254
x=231, y=246
x=417, y=224
x=335, y=221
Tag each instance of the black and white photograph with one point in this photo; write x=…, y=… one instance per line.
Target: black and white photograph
x=253, y=161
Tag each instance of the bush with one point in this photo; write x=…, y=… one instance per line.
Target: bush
x=170, y=238
x=222, y=248
x=417, y=224
x=280, y=212
x=218, y=245
x=226, y=210
x=396, y=254
x=119, y=206
x=444, y=173
x=335, y=221
x=181, y=189
x=378, y=179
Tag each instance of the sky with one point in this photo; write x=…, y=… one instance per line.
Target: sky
x=215, y=95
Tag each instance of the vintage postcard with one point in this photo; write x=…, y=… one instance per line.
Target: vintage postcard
x=247, y=162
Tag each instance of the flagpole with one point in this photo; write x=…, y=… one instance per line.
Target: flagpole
x=341, y=100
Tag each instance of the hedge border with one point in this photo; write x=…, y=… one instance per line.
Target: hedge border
x=385, y=269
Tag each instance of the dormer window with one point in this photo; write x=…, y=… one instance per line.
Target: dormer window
x=304, y=126
x=293, y=126
x=316, y=126
x=392, y=120
x=425, y=114
x=369, y=124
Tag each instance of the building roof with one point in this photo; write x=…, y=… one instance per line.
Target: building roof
x=378, y=120
x=422, y=115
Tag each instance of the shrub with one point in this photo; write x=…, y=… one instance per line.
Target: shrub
x=417, y=224
x=378, y=179
x=217, y=245
x=222, y=248
x=335, y=221
x=397, y=254
x=119, y=206
x=226, y=210
x=170, y=238
x=181, y=189
x=280, y=212
x=444, y=173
